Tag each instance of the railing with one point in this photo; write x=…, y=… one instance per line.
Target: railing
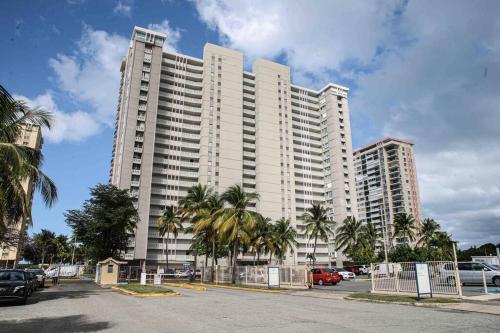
x=294, y=276
x=401, y=277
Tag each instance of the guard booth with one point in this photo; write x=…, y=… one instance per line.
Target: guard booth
x=108, y=271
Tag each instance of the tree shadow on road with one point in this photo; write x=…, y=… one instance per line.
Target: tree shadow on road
x=76, y=323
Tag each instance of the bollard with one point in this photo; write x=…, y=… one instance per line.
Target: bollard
x=484, y=283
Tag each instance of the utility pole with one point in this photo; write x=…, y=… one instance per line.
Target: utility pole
x=74, y=248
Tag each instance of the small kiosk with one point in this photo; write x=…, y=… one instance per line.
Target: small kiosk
x=108, y=271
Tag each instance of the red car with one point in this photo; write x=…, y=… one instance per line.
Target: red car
x=323, y=276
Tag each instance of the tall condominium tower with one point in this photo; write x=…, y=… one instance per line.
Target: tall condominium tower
x=183, y=120
x=10, y=250
x=386, y=185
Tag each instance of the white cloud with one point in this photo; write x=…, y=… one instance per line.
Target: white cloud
x=312, y=36
x=423, y=70
x=92, y=74
x=123, y=7
x=173, y=35
x=67, y=126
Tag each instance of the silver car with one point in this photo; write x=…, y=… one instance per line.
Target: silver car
x=472, y=273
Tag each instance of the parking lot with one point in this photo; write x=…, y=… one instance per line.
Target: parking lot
x=84, y=307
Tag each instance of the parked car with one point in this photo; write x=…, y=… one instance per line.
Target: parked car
x=363, y=269
x=323, y=276
x=384, y=269
x=40, y=275
x=353, y=269
x=15, y=285
x=33, y=281
x=345, y=274
x=471, y=273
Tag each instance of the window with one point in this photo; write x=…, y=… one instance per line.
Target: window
x=110, y=268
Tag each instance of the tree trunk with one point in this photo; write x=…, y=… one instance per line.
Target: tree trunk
x=235, y=258
x=258, y=257
x=43, y=258
x=193, y=276
x=213, y=260
x=314, y=251
x=270, y=257
x=166, y=249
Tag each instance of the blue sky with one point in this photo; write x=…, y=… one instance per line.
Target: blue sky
x=428, y=76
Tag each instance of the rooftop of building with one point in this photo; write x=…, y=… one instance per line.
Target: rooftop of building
x=160, y=34
x=381, y=141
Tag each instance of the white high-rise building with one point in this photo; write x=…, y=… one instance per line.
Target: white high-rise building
x=386, y=185
x=183, y=120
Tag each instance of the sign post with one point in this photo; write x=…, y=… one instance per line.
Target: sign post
x=423, y=279
x=273, y=277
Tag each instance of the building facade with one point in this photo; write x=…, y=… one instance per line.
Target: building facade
x=386, y=185
x=183, y=120
x=10, y=250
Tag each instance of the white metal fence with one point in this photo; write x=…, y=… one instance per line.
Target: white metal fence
x=255, y=275
x=401, y=277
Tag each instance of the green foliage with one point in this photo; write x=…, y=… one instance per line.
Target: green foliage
x=46, y=247
x=105, y=223
x=19, y=163
x=317, y=226
x=487, y=249
x=404, y=227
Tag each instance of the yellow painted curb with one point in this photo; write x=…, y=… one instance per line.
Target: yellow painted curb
x=245, y=289
x=132, y=293
x=184, y=285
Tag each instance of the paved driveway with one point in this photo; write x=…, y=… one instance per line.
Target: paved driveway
x=83, y=307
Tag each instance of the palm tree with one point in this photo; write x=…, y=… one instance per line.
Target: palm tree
x=370, y=235
x=317, y=225
x=285, y=237
x=442, y=243
x=44, y=241
x=18, y=162
x=260, y=241
x=236, y=222
x=427, y=230
x=349, y=234
x=192, y=207
x=404, y=226
x=169, y=223
x=205, y=222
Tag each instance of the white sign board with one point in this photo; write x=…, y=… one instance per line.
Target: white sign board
x=157, y=279
x=143, y=279
x=273, y=274
x=423, y=281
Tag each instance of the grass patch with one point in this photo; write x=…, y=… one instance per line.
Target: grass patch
x=140, y=289
x=89, y=276
x=404, y=299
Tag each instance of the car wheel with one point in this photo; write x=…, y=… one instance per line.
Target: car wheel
x=320, y=282
x=451, y=281
x=496, y=281
x=334, y=283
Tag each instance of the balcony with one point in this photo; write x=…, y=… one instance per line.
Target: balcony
x=140, y=128
x=146, y=69
x=139, y=139
x=136, y=171
x=135, y=183
x=141, y=118
x=137, y=149
x=142, y=107
x=144, y=88
x=137, y=160
x=143, y=98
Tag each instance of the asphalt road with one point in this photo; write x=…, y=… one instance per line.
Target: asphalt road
x=84, y=307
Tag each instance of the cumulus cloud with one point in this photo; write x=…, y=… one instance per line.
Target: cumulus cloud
x=123, y=7
x=73, y=126
x=425, y=71
x=92, y=74
x=173, y=35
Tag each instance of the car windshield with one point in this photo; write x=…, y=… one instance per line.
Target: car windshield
x=328, y=270
x=492, y=267
x=11, y=276
x=340, y=270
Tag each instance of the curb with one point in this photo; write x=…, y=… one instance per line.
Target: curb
x=245, y=289
x=133, y=293
x=185, y=286
x=425, y=305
